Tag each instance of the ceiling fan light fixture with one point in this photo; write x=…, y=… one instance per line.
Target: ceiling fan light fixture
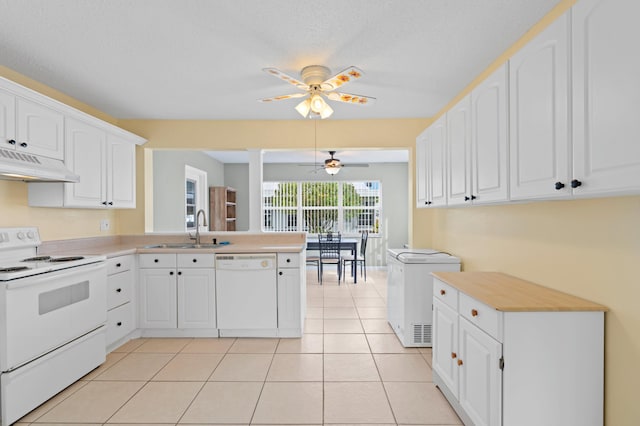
x=332, y=170
x=326, y=111
x=304, y=107
x=317, y=104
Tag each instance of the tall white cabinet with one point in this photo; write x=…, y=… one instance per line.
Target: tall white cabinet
x=501, y=354
x=606, y=97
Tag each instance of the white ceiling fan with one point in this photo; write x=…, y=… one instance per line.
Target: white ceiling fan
x=316, y=82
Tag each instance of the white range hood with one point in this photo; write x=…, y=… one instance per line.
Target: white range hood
x=33, y=168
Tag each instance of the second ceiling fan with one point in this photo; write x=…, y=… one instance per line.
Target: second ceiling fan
x=332, y=165
x=317, y=83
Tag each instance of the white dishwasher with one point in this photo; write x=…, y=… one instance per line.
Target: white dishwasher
x=246, y=295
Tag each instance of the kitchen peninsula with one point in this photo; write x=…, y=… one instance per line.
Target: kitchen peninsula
x=166, y=286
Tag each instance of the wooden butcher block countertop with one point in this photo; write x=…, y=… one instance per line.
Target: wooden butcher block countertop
x=510, y=294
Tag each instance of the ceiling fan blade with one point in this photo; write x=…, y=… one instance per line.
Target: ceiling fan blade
x=350, y=98
x=355, y=165
x=285, y=77
x=342, y=78
x=283, y=97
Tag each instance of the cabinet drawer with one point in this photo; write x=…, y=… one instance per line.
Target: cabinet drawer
x=445, y=293
x=486, y=318
x=196, y=260
x=119, y=322
x=157, y=260
x=119, y=288
x=119, y=264
x=288, y=260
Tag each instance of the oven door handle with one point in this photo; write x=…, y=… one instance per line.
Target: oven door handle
x=45, y=277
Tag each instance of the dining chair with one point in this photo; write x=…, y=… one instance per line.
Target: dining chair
x=360, y=258
x=329, y=245
x=315, y=260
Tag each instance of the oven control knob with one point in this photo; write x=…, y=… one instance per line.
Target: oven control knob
x=21, y=235
x=31, y=235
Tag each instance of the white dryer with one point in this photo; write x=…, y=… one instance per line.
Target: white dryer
x=410, y=292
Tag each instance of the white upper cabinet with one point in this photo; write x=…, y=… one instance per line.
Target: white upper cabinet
x=422, y=183
x=121, y=172
x=459, y=152
x=40, y=129
x=436, y=159
x=489, y=143
x=539, y=116
x=606, y=97
x=431, y=179
x=85, y=147
x=7, y=120
x=29, y=126
x=106, y=165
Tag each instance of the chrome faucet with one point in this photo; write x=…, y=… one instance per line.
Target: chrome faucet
x=204, y=223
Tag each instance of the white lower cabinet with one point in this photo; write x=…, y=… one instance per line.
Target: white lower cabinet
x=291, y=294
x=120, y=299
x=528, y=367
x=177, y=291
x=480, y=377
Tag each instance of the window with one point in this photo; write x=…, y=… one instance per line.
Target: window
x=313, y=207
x=195, y=196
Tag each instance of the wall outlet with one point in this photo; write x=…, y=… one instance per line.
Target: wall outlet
x=105, y=225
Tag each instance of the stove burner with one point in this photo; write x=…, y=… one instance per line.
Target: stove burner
x=14, y=269
x=65, y=259
x=36, y=259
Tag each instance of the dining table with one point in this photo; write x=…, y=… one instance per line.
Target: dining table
x=346, y=244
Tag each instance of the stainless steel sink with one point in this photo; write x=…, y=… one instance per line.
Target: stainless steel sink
x=201, y=246
x=181, y=246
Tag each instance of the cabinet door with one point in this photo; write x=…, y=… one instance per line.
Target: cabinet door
x=121, y=172
x=606, y=96
x=158, y=298
x=86, y=157
x=7, y=120
x=445, y=345
x=539, y=116
x=436, y=159
x=41, y=129
x=489, y=143
x=289, y=298
x=480, y=392
x=422, y=182
x=458, y=152
x=196, y=298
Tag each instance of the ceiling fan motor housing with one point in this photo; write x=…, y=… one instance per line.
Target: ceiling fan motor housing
x=315, y=74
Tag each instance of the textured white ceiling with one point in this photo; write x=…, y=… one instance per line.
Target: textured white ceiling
x=202, y=59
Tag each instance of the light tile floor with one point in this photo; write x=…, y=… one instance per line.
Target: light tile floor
x=349, y=368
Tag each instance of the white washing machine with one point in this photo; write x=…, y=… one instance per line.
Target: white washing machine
x=410, y=292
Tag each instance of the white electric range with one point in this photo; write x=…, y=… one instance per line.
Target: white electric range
x=52, y=321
